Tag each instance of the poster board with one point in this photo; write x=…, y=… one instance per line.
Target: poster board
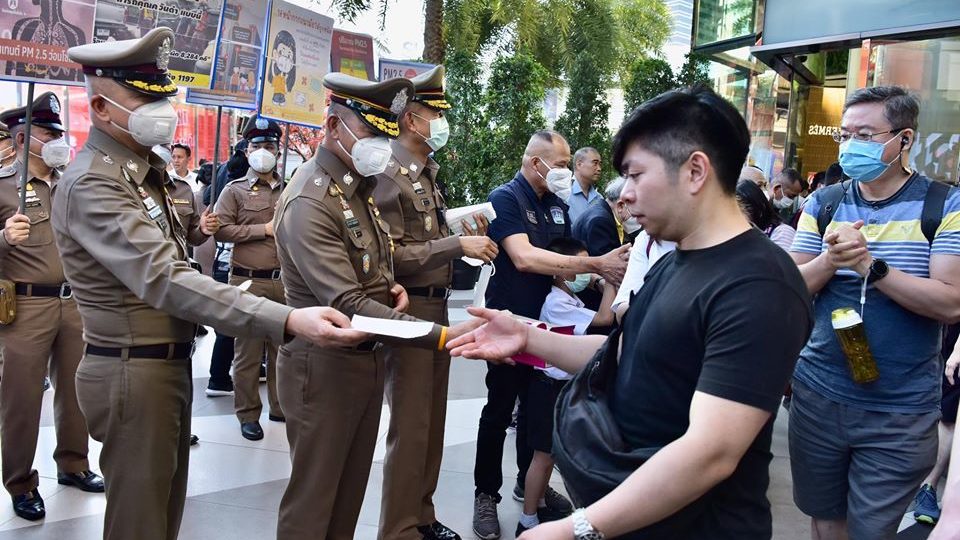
x=239, y=57
x=297, y=53
x=391, y=69
x=195, y=24
x=35, y=36
x=352, y=54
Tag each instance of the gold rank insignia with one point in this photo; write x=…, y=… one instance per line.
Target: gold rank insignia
x=403, y=170
x=366, y=263
x=428, y=223
x=333, y=189
x=255, y=188
x=29, y=186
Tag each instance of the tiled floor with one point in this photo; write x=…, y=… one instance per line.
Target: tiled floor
x=235, y=484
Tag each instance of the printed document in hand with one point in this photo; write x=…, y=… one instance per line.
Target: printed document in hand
x=455, y=215
x=391, y=327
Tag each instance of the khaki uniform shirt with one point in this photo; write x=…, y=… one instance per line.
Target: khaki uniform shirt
x=36, y=260
x=411, y=203
x=334, y=248
x=244, y=207
x=188, y=209
x=124, y=254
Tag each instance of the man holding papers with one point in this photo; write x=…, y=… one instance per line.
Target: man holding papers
x=336, y=250
x=416, y=382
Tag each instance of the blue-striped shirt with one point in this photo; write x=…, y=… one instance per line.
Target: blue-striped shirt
x=905, y=345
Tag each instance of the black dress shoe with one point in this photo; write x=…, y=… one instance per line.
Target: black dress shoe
x=274, y=418
x=251, y=431
x=86, y=481
x=194, y=440
x=29, y=506
x=437, y=531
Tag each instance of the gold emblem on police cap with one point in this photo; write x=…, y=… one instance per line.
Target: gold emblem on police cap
x=262, y=123
x=399, y=102
x=54, y=105
x=163, y=54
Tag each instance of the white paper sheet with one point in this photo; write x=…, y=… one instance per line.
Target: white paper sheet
x=390, y=327
x=455, y=215
x=480, y=291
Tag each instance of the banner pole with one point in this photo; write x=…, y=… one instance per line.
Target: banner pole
x=216, y=159
x=286, y=151
x=25, y=159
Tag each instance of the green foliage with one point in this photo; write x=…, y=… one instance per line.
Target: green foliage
x=647, y=78
x=643, y=26
x=584, y=121
x=489, y=125
x=693, y=70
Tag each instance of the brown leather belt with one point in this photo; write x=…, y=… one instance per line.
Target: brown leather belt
x=163, y=351
x=52, y=291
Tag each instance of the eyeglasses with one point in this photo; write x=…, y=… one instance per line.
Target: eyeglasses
x=843, y=136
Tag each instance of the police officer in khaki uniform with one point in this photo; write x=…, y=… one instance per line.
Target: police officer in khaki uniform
x=416, y=383
x=245, y=208
x=8, y=154
x=336, y=250
x=199, y=223
x=46, y=330
x=124, y=253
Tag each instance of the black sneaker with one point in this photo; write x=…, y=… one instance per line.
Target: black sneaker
x=557, y=503
x=517, y=493
x=437, y=531
x=218, y=390
x=520, y=530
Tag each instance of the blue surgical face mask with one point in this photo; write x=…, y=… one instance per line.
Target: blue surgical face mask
x=862, y=160
x=579, y=284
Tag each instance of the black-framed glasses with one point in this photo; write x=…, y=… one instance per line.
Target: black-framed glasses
x=843, y=136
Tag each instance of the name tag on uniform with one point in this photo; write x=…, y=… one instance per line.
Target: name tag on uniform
x=418, y=187
x=532, y=216
x=181, y=201
x=155, y=212
x=557, y=214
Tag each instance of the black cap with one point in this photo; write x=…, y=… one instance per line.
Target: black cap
x=139, y=64
x=259, y=129
x=378, y=104
x=46, y=113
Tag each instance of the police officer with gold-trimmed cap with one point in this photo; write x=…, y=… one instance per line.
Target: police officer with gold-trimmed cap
x=416, y=379
x=8, y=154
x=245, y=208
x=335, y=249
x=125, y=255
x=46, y=328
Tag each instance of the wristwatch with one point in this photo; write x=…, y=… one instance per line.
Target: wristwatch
x=878, y=270
x=582, y=529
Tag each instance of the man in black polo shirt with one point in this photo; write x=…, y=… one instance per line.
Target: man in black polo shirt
x=529, y=216
x=708, y=343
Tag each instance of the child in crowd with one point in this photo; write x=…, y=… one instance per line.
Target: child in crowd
x=561, y=308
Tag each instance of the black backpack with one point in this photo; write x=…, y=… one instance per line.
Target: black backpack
x=930, y=216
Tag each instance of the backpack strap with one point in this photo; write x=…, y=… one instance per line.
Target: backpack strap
x=830, y=199
x=932, y=213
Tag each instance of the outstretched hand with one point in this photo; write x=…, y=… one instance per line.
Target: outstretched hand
x=499, y=338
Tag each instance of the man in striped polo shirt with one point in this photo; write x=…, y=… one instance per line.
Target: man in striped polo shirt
x=859, y=451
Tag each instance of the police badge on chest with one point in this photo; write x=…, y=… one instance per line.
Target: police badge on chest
x=557, y=214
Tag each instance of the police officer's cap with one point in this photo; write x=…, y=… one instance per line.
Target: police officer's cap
x=258, y=129
x=46, y=113
x=378, y=104
x=139, y=64
x=430, y=89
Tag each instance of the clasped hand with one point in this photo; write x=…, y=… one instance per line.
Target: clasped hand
x=847, y=248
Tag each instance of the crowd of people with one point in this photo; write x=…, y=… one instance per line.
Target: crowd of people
x=684, y=306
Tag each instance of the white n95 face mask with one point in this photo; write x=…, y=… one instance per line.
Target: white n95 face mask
x=262, y=160
x=370, y=155
x=558, y=180
x=55, y=153
x=151, y=123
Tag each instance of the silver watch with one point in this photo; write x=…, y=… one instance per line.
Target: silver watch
x=582, y=529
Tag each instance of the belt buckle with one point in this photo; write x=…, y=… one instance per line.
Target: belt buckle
x=66, y=292
x=275, y=275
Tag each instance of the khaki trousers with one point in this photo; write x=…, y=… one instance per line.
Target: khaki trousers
x=333, y=398
x=416, y=388
x=140, y=410
x=46, y=331
x=247, y=355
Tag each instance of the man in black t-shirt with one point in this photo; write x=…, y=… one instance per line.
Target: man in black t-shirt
x=708, y=343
